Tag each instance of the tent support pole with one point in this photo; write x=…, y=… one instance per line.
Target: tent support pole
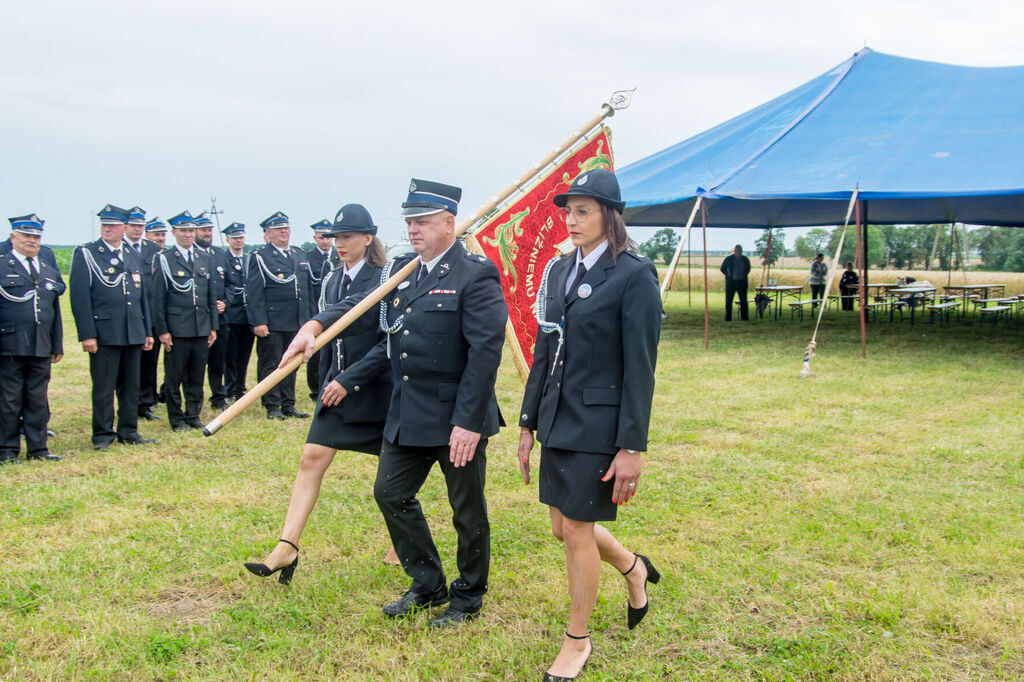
x=704, y=233
x=861, y=262
x=679, y=249
x=689, y=274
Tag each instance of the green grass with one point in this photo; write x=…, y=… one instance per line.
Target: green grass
x=862, y=524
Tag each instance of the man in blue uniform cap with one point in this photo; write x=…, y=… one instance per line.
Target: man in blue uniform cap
x=278, y=302
x=234, y=322
x=111, y=311
x=32, y=340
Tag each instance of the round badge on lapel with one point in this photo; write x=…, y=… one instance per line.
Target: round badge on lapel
x=584, y=291
x=113, y=261
x=396, y=302
x=49, y=286
x=403, y=285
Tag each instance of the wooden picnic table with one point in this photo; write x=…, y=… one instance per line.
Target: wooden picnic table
x=965, y=290
x=911, y=295
x=779, y=291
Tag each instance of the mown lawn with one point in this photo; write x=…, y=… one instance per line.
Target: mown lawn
x=862, y=524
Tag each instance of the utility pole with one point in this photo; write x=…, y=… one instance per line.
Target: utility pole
x=216, y=217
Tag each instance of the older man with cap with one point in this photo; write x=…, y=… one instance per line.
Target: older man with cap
x=234, y=323
x=445, y=329
x=321, y=259
x=111, y=311
x=279, y=300
x=185, y=318
x=217, y=361
x=31, y=340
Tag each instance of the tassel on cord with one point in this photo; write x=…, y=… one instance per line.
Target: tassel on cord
x=805, y=371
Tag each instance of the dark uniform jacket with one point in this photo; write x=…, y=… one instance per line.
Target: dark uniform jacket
x=320, y=266
x=277, y=289
x=184, y=314
x=31, y=327
x=234, y=287
x=218, y=281
x=46, y=255
x=445, y=356
x=598, y=396
x=370, y=402
x=115, y=315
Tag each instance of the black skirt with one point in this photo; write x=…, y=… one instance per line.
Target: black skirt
x=329, y=430
x=571, y=483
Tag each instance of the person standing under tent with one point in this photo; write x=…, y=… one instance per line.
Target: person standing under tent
x=848, y=286
x=735, y=267
x=819, y=271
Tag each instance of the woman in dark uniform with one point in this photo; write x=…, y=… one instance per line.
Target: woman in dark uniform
x=589, y=399
x=351, y=408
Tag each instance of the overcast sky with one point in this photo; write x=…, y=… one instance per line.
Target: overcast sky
x=305, y=106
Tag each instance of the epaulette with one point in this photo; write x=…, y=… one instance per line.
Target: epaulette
x=477, y=258
x=635, y=255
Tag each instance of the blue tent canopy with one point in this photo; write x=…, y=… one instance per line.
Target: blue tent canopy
x=924, y=143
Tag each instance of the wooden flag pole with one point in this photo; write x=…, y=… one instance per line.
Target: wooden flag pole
x=619, y=100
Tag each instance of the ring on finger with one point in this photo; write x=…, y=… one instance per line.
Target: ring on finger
x=632, y=485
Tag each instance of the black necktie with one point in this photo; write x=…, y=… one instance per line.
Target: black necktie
x=343, y=291
x=581, y=272
x=422, y=273
x=137, y=247
x=188, y=257
x=32, y=270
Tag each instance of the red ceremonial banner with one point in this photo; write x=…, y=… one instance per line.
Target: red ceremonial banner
x=525, y=234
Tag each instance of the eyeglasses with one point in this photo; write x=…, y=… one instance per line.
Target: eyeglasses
x=580, y=213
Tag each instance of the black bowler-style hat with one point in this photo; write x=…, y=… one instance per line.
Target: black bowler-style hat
x=427, y=198
x=352, y=218
x=597, y=184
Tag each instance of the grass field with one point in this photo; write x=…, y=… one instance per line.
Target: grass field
x=862, y=524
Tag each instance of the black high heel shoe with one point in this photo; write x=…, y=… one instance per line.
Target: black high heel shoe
x=634, y=616
x=263, y=571
x=548, y=677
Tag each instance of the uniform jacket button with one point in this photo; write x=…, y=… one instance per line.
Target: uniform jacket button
x=355, y=388
x=408, y=310
x=405, y=333
x=405, y=355
x=405, y=378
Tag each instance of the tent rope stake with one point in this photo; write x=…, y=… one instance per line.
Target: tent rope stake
x=809, y=352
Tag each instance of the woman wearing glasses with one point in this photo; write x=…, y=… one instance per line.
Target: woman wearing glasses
x=352, y=404
x=588, y=398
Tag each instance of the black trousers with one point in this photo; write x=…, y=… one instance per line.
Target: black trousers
x=115, y=369
x=185, y=365
x=147, y=376
x=817, y=291
x=847, y=303
x=269, y=350
x=23, y=383
x=240, y=340
x=401, y=473
x=733, y=288
x=216, y=368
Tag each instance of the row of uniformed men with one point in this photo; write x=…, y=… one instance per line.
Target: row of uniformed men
x=129, y=297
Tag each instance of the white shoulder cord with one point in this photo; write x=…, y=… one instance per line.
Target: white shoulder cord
x=94, y=268
x=542, y=304
x=188, y=287
x=385, y=275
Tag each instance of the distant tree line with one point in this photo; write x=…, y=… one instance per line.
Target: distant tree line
x=901, y=247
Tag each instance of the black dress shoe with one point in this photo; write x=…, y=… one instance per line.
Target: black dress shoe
x=275, y=413
x=411, y=601
x=194, y=424
x=101, y=446
x=8, y=460
x=451, y=617
x=634, y=615
x=292, y=412
x=46, y=456
x=219, y=405
x=148, y=414
x=135, y=439
x=181, y=427
x=287, y=571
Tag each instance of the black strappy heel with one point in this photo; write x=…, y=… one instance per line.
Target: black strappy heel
x=263, y=571
x=634, y=616
x=548, y=677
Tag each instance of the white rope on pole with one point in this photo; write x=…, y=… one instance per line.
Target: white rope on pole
x=679, y=249
x=805, y=371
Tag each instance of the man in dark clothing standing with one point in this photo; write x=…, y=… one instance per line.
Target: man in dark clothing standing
x=736, y=267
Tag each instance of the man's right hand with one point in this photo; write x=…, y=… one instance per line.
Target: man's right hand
x=90, y=345
x=261, y=330
x=167, y=342
x=302, y=342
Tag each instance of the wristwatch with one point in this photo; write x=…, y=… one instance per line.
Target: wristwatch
x=632, y=452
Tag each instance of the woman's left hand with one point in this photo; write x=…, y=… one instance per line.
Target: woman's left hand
x=625, y=469
x=333, y=394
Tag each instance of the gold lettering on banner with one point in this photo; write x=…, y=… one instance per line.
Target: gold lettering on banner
x=531, y=265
